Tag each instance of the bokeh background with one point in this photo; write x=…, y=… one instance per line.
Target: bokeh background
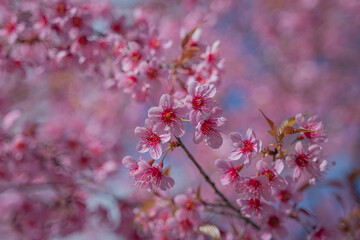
x=281, y=56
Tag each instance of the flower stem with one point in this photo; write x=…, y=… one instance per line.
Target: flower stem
x=212, y=184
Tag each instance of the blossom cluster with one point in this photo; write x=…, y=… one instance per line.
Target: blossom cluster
x=77, y=78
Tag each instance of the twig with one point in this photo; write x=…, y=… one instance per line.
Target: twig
x=212, y=184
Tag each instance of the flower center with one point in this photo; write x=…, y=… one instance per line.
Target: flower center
x=189, y=205
x=135, y=56
x=254, y=203
x=274, y=221
x=82, y=40
x=61, y=8
x=153, y=139
x=198, y=102
x=168, y=116
x=207, y=126
x=152, y=73
x=232, y=173
x=302, y=160
x=270, y=174
x=77, y=22
x=253, y=184
x=247, y=146
x=284, y=195
x=154, y=43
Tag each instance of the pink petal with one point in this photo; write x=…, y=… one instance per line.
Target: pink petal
x=166, y=101
x=155, y=151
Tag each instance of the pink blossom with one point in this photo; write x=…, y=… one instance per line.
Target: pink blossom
x=305, y=162
x=209, y=128
x=251, y=207
x=288, y=195
x=230, y=173
x=151, y=176
x=149, y=140
x=131, y=164
x=272, y=171
x=273, y=224
x=317, y=133
x=254, y=187
x=167, y=116
x=188, y=205
x=199, y=100
x=211, y=52
x=246, y=148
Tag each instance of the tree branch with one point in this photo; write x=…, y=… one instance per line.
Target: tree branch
x=212, y=184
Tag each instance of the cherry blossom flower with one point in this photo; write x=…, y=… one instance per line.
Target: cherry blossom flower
x=273, y=224
x=167, y=116
x=150, y=176
x=131, y=164
x=245, y=148
x=254, y=187
x=230, y=173
x=272, y=171
x=149, y=140
x=305, y=162
x=199, y=100
x=188, y=205
x=251, y=207
x=317, y=134
x=209, y=128
x=288, y=195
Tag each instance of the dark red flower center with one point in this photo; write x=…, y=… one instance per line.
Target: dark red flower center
x=302, y=160
x=247, y=147
x=197, y=102
x=284, y=195
x=274, y=221
x=207, y=126
x=77, y=22
x=270, y=174
x=152, y=73
x=168, y=116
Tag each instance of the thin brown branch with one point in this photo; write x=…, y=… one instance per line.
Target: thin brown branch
x=212, y=184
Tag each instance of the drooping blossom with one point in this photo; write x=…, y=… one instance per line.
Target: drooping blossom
x=305, y=161
x=316, y=133
x=130, y=163
x=188, y=205
x=251, y=207
x=254, y=187
x=150, y=176
x=230, y=173
x=209, y=128
x=245, y=148
x=200, y=100
x=288, y=195
x=272, y=171
x=273, y=224
x=167, y=116
x=149, y=140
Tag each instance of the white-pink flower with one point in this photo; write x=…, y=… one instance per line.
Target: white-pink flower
x=305, y=162
x=254, y=187
x=244, y=147
x=317, y=133
x=251, y=207
x=149, y=140
x=272, y=171
x=130, y=163
x=188, y=205
x=167, y=116
x=199, y=100
x=273, y=224
x=230, y=173
x=209, y=128
x=151, y=176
